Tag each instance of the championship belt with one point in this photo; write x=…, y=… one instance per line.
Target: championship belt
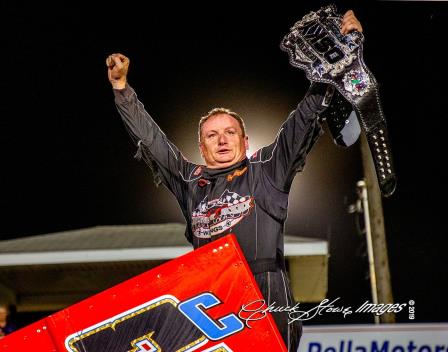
x=340, y=117
x=316, y=45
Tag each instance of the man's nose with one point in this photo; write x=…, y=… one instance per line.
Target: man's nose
x=222, y=139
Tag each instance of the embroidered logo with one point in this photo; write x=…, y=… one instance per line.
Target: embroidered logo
x=203, y=182
x=198, y=171
x=236, y=173
x=254, y=155
x=211, y=218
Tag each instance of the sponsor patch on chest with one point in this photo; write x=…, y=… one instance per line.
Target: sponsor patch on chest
x=211, y=218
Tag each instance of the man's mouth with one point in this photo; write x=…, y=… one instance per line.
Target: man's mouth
x=223, y=151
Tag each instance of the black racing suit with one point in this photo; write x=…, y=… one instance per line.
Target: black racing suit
x=249, y=199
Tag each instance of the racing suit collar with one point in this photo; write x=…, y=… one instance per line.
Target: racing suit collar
x=214, y=173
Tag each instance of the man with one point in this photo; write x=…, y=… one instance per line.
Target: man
x=6, y=327
x=232, y=193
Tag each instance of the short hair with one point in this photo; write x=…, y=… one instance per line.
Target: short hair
x=218, y=111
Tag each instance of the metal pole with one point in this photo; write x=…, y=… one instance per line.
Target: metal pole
x=362, y=190
x=378, y=233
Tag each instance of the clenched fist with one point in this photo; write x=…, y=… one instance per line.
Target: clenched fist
x=117, y=70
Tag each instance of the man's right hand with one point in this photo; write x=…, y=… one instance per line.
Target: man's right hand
x=117, y=70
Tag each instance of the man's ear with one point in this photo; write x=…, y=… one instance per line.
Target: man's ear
x=246, y=142
x=201, y=149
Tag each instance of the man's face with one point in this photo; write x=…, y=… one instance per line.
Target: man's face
x=222, y=142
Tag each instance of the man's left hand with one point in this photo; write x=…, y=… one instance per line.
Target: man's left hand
x=350, y=23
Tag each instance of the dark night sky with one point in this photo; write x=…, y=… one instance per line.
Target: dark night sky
x=67, y=159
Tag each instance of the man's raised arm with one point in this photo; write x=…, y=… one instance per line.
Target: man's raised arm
x=166, y=161
x=286, y=156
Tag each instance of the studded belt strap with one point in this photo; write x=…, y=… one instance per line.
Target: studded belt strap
x=316, y=45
